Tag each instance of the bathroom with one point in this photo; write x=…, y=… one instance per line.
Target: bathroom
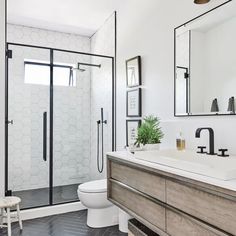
x=122, y=30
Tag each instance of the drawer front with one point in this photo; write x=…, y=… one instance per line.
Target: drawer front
x=136, y=203
x=145, y=182
x=210, y=208
x=178, y=225
x=130, y=234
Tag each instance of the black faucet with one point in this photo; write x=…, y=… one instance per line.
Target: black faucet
x=211, y=139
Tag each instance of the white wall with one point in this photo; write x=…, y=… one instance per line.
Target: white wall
x=2, y=95
x=197, y=76
x=148, y=31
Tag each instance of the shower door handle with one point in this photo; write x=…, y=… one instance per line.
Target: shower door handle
x=45, y=136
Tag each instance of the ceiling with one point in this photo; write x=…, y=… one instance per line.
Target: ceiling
x=82, y=17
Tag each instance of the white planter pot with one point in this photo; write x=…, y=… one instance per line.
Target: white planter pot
x=152, y=147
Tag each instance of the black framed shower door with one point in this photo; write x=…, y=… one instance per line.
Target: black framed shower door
x=38, y=142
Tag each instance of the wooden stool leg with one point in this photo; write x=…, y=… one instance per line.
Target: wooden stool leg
x=18, y=215
x=9, y=221
x=1, y=217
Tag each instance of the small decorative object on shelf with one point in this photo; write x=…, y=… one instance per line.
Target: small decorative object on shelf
x=133, y=72
x=150, y=133
x=134, y=103
x=132, y=132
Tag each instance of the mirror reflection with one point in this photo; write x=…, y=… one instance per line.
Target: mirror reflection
x=205, y=63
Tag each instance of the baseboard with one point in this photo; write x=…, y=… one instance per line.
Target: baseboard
x=48, y=211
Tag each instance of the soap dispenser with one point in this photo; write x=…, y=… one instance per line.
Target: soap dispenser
x=180, y=142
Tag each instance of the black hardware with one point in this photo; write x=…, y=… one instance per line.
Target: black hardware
x=9, y=53
x=211, y=139
x=201, y=149
x=45, y=136
x=223, y=151
x=10, y=122
x=100, y=122
x=87, y=64
x=186, y=75
x=8, y=193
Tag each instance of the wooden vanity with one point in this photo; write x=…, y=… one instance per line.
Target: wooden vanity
x=170, y=204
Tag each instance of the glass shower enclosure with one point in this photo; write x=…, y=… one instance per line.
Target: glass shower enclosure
x=54, y=100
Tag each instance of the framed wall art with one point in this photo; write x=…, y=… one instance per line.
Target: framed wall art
x=133, y=103
x=133, y=72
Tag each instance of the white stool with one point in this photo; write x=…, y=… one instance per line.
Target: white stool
x=8, y=203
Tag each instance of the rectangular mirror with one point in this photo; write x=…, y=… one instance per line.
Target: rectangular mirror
x=205, y=63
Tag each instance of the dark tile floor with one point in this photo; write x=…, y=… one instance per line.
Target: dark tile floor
x=40, y=197
x=70, y=224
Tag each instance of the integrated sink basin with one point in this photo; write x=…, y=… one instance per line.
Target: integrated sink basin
x=212, y=166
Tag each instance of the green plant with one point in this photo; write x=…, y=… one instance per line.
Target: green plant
x=150, y=131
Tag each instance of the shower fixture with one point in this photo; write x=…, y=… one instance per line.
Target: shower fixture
x=85, y=64
x=100, y=122
x=71, y=76
x=201, y=1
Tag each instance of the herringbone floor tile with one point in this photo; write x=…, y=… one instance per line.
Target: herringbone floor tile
x=69, y=224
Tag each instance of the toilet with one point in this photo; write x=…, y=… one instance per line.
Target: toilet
x=101, y=212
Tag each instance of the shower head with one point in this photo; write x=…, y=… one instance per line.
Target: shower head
x=85, y=64
x=79, y=69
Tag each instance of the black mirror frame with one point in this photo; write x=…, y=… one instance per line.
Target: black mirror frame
x=189, y=114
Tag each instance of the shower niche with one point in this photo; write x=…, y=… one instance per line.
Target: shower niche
x=54, y=102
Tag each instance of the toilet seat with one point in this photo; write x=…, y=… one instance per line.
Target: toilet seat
x=97, y=186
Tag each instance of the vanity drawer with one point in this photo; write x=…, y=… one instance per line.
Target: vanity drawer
x=141, y=206
x=179, y=225
x=141, y=180
x=213, y=209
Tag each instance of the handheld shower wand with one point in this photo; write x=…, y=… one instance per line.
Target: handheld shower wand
x=100, y=122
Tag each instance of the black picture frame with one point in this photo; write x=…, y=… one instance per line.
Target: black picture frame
x=135, y=73
x=127, y=130
x=138, y=100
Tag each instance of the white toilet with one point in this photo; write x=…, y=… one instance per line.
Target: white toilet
x=101, y=212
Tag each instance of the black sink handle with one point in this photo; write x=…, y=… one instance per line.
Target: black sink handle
x=223, y=151
x=201, y=149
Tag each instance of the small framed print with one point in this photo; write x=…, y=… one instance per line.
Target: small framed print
x=132, y=131
x=133, y=72
x=133, y=103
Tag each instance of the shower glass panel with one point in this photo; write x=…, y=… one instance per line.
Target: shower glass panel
x=77, y=108
x=28, y=115
x=71, y=121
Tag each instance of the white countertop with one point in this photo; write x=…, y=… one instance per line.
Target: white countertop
x=127, y=156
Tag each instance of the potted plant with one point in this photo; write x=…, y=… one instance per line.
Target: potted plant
x=150, y=133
